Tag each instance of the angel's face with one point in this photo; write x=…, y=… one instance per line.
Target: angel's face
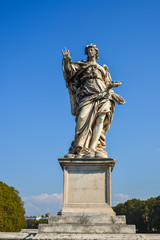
x=91, y=52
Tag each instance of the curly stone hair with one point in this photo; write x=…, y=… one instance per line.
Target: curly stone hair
x=91, y=46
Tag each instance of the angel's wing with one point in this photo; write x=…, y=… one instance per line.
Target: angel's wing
x=107, y=75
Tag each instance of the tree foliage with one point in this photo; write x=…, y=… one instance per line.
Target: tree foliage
x=12, y=211
x=145, y=214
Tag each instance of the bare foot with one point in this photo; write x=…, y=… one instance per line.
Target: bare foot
x=89, y=154
x=101, y=154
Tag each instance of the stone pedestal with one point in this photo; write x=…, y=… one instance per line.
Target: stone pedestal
x=87, y=186
x=87, y=212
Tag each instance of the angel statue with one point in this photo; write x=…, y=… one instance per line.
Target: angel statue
x=92, y=103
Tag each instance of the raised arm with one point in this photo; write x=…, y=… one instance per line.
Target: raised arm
x=66, y=60
x=69, y=67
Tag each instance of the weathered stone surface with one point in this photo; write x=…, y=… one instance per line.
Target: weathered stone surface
x=86, y=228
x=90, y=237
x=61, y=236
x=16, y=235
x=87, y=161
x=87, y=224
x=87, y=186
x=26, y=230
x=105, y=219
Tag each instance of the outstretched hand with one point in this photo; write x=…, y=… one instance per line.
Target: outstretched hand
x=114, y=84
x=66, y=54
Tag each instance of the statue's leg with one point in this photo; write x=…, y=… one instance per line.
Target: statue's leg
x=83, y=127
x=97, y=131
x=103, y=118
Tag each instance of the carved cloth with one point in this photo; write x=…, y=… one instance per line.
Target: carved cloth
x=89, y=97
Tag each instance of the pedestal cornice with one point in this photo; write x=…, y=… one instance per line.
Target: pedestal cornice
x=87, y=162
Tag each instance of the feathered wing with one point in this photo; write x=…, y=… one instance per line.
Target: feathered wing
x=115, y=97
x=107, y=74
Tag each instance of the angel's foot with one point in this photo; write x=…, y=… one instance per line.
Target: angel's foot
x=99, y=154
x=89, y=154
x=69, y=155
x=92, y=149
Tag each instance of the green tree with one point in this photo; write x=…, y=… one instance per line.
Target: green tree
x=154, y=214
x=12, y=211
x=136, y=212
x=145, y=214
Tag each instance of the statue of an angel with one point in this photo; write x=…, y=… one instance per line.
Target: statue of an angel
x=92, y=102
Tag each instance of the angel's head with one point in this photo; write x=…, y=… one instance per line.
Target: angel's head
x=91, y=51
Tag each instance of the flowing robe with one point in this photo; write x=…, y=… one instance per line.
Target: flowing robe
x=89, y=97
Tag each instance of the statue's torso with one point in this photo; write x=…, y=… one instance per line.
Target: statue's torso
x=92, y=81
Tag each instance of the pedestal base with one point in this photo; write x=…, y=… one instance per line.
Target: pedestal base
x=87, y=186
x=87, y=212
x=102, y=224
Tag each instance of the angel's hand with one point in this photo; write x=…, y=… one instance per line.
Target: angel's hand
x=113, y=84
x=66, y=54
x=116, y=83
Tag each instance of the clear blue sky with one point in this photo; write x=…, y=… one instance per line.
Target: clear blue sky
x=36, y=126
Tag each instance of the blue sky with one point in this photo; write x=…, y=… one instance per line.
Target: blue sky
x=36, y=126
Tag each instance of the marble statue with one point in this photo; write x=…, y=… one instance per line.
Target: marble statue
x=92, y=103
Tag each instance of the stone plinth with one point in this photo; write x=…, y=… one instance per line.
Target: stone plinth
x=100, y=224
x=87, y=186
x=87, y=212
x=75, y=236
